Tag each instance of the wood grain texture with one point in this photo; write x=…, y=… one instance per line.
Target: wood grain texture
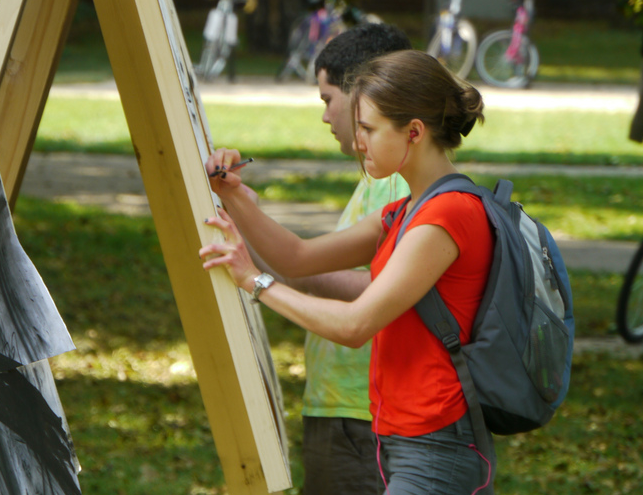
x=10, y=11
x=30, y=64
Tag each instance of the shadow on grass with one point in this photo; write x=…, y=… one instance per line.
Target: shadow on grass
x=139, y=438
x=594, y=443
x=138, y=432
x=135, y=438
x=549, y=158
x=124, y=147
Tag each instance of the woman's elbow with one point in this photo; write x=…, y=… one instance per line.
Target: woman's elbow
x=357, y=336
x=356, y=344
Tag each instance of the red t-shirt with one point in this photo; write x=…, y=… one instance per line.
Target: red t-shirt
x=414, y=388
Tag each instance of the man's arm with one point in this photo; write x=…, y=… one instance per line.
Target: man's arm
x=345, y=285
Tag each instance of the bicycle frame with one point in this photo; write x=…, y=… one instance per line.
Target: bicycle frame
x=220, y=38
x=524, y=14
x=222, y=21
x=448, y=21
x=309, y=36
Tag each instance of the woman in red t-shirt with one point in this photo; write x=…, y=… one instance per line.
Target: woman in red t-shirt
x=410, y=112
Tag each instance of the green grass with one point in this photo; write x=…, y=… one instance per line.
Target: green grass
x=578, y=52
x=578, y=207
x=582, y=207
x=99, y=126
x=591, y=446
x=133, y=404
x=556, y=136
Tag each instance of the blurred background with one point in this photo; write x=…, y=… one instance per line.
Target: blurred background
x=579, y=41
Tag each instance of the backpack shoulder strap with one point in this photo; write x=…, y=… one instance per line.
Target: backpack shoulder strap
x=502, y=192
x=393, y=214
x=448, y=183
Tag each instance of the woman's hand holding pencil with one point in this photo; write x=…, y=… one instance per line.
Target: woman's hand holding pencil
x=218, y=167
x=223, y=171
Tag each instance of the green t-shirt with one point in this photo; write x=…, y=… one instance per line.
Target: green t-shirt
x=337, y=376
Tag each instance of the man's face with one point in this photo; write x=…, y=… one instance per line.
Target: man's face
x=337, y=113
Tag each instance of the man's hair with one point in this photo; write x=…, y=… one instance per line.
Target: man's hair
x=347, y=51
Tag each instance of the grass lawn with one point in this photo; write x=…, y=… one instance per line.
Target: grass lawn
x=268, y=131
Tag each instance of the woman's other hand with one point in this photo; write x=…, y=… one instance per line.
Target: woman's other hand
x=231, y=253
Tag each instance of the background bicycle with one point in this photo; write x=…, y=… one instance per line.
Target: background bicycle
x=219, y=40
x=507, y=58
x=629, y=310
x=454, y=41
x=312, y=31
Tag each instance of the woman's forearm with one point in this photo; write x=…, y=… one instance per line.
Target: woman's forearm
x=293, y=257
x=338, y=321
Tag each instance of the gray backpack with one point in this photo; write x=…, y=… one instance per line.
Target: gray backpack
x=515, y=371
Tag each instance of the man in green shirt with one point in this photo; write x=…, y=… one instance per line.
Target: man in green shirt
x=339, y=447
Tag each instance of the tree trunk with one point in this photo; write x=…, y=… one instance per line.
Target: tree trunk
x=269, y=25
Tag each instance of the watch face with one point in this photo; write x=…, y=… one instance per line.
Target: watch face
x=264, y=280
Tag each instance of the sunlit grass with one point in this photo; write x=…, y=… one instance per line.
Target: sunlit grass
x=576, y=207
x=588, y=74
x=582, y=207
x=555, y=136
x=525, y=136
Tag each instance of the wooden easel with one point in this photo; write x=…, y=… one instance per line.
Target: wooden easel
x=171, y=140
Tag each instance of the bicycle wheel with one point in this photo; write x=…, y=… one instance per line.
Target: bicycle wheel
x=629, y=312
x=460, y=55
x=496, y=68
x=299, y=50
x=220, y=53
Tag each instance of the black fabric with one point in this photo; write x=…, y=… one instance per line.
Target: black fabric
x=340, y=457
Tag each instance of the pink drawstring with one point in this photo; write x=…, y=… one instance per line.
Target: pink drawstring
x=474, y=448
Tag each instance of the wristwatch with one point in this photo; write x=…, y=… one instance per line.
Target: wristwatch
x=262, y=282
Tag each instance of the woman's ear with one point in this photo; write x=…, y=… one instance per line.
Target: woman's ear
x=416, y=130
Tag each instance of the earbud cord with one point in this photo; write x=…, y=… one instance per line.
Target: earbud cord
x=399, y=167
x=377, y=416
x=392, y=189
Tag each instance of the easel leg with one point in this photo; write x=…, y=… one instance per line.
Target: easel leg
x=31, y=59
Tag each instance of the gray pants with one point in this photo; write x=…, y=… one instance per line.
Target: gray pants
x=340, y=457
x=440, y=463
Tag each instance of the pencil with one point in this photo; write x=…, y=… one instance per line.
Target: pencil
x=233, y=167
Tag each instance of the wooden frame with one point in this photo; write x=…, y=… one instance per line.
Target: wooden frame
x=10, y=12
x=171, y=139
x=35, y=33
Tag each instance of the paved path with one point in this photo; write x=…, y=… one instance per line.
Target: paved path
x=264, y=90
x=114, y=183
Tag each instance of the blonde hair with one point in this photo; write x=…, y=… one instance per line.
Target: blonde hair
x=411, y=84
